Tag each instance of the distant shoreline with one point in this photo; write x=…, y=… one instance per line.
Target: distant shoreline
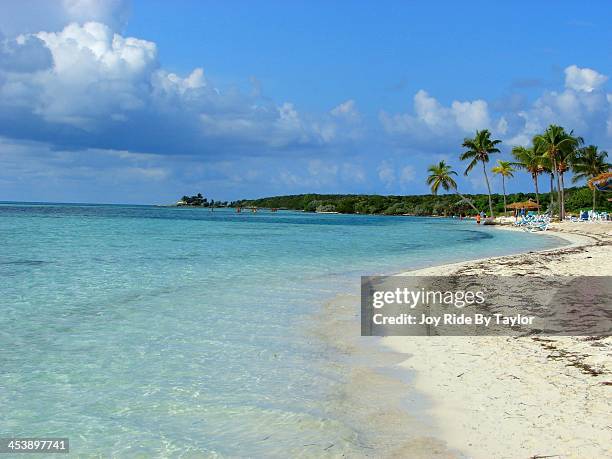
x=576, y=199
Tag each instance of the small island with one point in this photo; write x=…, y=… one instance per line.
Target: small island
x=198, y=200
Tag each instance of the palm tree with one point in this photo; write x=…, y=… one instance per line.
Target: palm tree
x=566, y=158
x=478, y=149
x=589, y=163
x=441, y=175
x=547, y=168
x=559, y=146
x=530, y=160
x=505, y=169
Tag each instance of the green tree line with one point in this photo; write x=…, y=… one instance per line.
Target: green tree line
x=576, y=198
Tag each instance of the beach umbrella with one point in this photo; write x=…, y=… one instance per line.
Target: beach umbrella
x=529, y=205
x=603, y=182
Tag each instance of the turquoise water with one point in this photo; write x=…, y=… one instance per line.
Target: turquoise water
x=138, y=330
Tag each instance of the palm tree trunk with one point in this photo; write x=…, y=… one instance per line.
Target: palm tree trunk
x=559, y=196
x=562, y=201
x=504, y=188
x=594, y=197
x=535, y=180
x=552, y=193
x=484, y=169
x=469, y=201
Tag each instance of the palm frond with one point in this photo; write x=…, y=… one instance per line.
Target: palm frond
x=470, y=166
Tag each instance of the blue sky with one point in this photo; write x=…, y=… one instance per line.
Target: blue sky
x=144, y=101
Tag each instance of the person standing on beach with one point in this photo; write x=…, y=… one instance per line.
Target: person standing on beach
x=478, y=219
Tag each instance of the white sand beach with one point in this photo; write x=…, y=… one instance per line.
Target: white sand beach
x=503, y=397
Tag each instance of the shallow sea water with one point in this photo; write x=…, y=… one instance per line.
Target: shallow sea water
x=140, y=330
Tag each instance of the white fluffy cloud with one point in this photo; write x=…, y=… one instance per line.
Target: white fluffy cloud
x=432, y=119
x=95, y=73
x=583, y=106
x=583, y=79
x=469, y=116
x=346, y=110
x=343, y=122
x=105, y=88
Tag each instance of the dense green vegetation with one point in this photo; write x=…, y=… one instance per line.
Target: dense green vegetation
x=576, y=198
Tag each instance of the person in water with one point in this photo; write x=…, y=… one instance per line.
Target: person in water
x=478, y=218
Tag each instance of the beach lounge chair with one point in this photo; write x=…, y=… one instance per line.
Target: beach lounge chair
x=537, y=223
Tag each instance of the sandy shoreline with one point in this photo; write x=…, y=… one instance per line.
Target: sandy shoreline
x=481, y=397
x=508, y=397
